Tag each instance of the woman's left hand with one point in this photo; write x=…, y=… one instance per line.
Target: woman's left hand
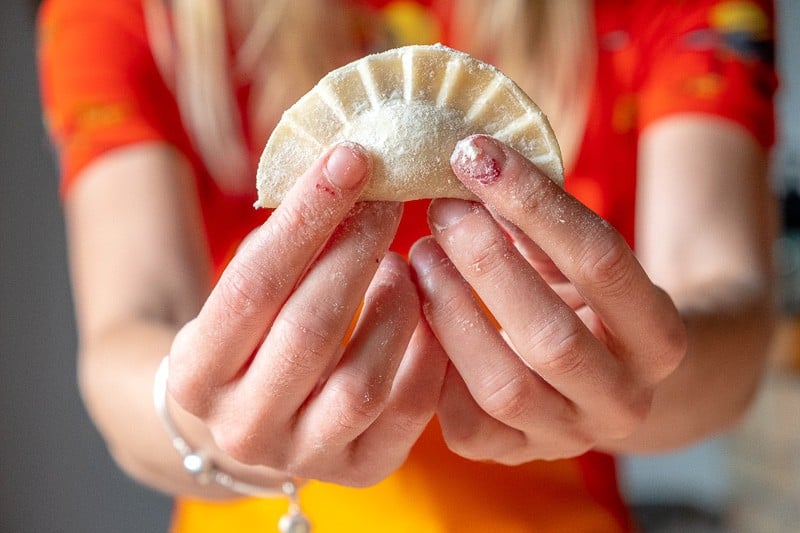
x=586, y=337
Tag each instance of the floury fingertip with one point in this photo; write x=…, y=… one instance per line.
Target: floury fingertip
x=347, y=165
x=479, y=158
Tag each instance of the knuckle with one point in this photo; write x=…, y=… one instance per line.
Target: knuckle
x=363, y=474
x=252, y=438
x=184, y=341
x=453, y=308
x=241, y=443
x=465, y=440
x=187, y=384
x=558, y=348
x=409, y=415
x=535, y=197
x=410, y=423
x=295, y=217
x=563, y=362
x=484, y=262
x=358, y=405
x=187, y=388
x=672, y=343
x=468, y=448
x=446, y=306
x=510, y=402
x=304, y=345
x=316, y=324
x=238, y=291
x=606, y=264
x=299, y=357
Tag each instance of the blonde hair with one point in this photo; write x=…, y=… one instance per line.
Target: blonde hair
x=547, y=46
x=206, y=49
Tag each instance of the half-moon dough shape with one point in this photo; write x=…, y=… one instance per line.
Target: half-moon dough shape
x=408, y=107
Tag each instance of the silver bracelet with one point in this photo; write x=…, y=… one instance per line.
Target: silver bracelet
x=204, y=471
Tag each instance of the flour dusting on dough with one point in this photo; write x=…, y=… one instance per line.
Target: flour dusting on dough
x=408, y=107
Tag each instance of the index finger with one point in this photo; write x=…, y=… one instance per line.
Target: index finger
x=269, y=265
x=585, y=248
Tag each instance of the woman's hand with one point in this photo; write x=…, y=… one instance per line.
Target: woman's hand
x=265, y=364
x=586, y=337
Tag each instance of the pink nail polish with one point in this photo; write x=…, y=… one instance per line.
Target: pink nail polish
x=478, y=158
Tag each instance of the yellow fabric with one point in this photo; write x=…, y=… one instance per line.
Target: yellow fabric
x=472, y=497
x=410, y=23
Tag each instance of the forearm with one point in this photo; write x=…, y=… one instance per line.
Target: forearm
x=140, y=270
x=705, y=228
x=712, y=388
x=116, y=371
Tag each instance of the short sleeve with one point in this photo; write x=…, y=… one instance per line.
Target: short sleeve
x=100, y=86
x=710, y=56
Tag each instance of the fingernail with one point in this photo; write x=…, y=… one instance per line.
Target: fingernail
x=392, y=264
x=425, y=255
x=448, y=212
x=479, y=158
x=347, y=165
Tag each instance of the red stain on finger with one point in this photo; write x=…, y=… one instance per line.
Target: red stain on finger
x=479, y=159
x=321, y=187
x=485, y=170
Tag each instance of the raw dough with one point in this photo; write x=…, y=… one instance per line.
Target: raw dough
x=408, y=107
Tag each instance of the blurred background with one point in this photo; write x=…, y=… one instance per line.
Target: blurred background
x=56, y=475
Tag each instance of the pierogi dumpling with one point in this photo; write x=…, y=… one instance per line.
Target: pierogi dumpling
x=408, y=107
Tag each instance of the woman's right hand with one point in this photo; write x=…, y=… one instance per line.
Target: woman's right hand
x=264, y=364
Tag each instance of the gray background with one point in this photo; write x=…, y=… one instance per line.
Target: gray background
x=55, y=474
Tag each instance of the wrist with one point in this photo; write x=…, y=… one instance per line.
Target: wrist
x=206, y=470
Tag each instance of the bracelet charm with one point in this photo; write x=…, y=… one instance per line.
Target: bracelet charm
x=293, y=521
x=204, y=471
